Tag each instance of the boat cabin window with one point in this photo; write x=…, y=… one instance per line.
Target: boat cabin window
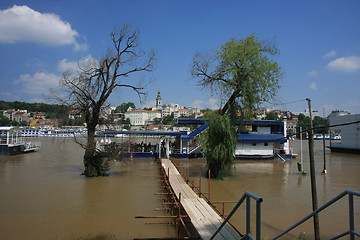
x=254, y=144
x=254, y=128
x=266, y=144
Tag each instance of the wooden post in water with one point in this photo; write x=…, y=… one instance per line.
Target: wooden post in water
x=324, y=170
x=312, y=174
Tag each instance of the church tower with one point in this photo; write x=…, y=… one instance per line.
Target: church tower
x=158, y=100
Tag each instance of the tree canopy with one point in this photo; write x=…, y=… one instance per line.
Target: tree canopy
x=318, y=122
x=124, y=107
x=240, y=70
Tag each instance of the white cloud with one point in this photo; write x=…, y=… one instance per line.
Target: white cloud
x=197, y=104
x=313, y=86
x=23, y=24
x=39, y=83
x=313, y=73
x=330, y=54
x=213, y=103
x=345, y=64
x=64, y=65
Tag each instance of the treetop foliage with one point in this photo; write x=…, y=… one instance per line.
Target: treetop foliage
x=240, y=69
x=58, y=110
x=124, y=107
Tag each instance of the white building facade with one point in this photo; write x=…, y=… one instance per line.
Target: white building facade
x=141, y=117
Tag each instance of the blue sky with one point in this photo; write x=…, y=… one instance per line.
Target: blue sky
x=319, y=43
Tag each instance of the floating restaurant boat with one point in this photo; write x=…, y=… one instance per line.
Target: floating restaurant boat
x=266, y=139
x=12, y=143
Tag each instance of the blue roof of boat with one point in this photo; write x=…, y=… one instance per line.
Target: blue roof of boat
x=260, y=138
x=263, y=122
x=190, y=121
x=194, y=133
x=171, y=133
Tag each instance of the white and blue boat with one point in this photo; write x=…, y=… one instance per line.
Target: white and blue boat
x=12, y=143
x=266, y=139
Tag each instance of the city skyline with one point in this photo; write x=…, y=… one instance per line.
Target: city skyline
x=318, y=43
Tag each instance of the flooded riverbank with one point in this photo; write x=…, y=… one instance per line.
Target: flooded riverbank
x=43, y=195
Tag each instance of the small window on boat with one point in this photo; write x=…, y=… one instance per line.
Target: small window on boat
x=254, y=144
x=266, y=144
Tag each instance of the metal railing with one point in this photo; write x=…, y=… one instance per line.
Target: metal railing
x=194, y=146
x=247, y=195
x=351, y=231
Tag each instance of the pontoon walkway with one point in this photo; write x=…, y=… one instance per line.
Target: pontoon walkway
x=202, y=216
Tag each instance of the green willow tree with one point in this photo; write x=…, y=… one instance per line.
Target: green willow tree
x=89, y=87
x=218, y=143
x=243, y=73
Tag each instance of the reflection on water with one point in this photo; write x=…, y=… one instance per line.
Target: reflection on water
x=287, y=193
x=43, y=196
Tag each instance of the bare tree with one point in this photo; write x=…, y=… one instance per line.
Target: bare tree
x=90, y=87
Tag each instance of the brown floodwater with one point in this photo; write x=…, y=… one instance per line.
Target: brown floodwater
x=286, y=192
x=43, y=195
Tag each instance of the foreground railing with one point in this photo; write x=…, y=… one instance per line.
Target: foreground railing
x=247, y=196
x=351, y=231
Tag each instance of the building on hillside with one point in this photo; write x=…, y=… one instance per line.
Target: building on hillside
x=39, y=116
x=141, y=117
x=345, y=133
x=291, y=126
x=182, y=112
x=17, y=115
x=74, y=114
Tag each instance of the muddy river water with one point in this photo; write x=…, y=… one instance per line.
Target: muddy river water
x=43, y=195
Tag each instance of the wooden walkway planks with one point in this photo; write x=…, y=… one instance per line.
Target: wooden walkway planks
x=203, y=217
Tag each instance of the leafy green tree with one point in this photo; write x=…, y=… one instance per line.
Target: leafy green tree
x=4, y=121
x=244, y=75
x=218, y=143
x=124, y=107
x=240, y=70
x=79, y=121
x=169, y=120
x=14, y=123
x=271, y=116
x=318, y=123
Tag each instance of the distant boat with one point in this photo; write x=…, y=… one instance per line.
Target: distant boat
x=12, y=143
x=320, y=137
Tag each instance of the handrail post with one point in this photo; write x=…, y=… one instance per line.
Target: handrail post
x=247, y=195
x=258, y=220
x=248, y=229
x=351, y=216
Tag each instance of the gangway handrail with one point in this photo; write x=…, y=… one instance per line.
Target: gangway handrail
x=351, y=231
x=247, y=195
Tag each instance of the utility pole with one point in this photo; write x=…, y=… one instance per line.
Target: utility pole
x=312, y=174
x=324, y=171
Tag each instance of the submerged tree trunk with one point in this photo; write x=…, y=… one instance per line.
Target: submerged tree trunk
x=90, y=155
